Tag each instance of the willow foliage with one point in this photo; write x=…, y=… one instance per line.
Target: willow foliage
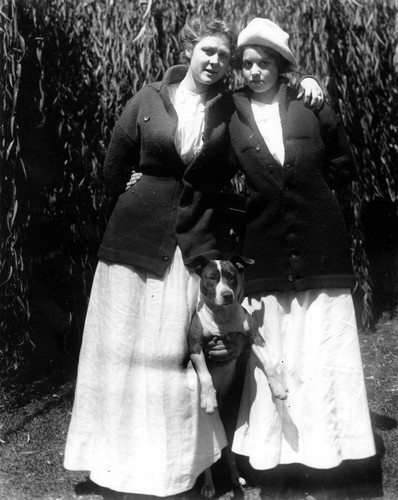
x=69, y=66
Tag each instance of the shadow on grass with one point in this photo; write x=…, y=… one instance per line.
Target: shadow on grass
x=353, y=479
x=383, y=422
x=87, y=487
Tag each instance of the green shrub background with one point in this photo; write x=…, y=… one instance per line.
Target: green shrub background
x=67, y=69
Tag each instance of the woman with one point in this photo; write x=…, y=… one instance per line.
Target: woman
x=298, y=290
x=136, y=422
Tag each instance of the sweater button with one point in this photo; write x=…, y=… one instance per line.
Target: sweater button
x=290, y=278
x=258, y=148
x=287, y=165
x=165, y=258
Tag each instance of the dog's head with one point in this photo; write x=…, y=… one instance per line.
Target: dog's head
x=219, y=278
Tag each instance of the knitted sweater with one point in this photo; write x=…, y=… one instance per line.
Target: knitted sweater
x=142, y=228
x=295, y=230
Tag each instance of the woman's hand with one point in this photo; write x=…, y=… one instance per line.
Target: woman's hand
x=311, y=93
x=134, y=178
x=224, y=349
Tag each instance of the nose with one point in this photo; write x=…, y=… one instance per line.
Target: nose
x=227, y=296
x=214, y=59
x=255, y=70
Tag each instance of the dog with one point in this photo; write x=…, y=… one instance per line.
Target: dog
x=219, y=315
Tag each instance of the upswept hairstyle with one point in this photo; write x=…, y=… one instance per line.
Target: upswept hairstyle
x=199, y=27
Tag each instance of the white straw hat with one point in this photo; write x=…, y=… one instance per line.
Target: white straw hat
x=264, y=32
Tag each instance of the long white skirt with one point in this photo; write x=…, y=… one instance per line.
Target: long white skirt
x=136, y=423
x=313, y=340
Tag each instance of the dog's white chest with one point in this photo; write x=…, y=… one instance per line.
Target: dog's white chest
x=223, y=324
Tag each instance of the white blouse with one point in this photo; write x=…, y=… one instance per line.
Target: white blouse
x=269, y=123
x=190, y=108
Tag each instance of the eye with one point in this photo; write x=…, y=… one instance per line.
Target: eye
x=224, y=55
x=208, y=51
x=264, y=63
x=213, y=276
x=231, y=277
x=247, y=65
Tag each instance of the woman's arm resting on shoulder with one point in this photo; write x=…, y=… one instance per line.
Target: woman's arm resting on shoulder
x=310, y=91
x=224, y=349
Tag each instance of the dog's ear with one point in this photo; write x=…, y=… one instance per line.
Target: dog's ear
x=240, y=262
x=198, y=264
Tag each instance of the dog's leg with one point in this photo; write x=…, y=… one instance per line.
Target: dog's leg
x=208, y=489
x=224, y=378
x=196, y=339
x=260, y=349
x=229, y=418
x=208, y=399
x=236, y=478
x=277, y=386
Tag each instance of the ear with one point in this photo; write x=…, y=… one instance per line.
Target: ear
x=188, y=54
x=198, y=264
x=240, y=262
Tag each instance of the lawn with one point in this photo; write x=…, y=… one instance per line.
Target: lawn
x=34, y=419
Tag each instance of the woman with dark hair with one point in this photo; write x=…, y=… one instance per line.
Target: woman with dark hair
x=298, y=289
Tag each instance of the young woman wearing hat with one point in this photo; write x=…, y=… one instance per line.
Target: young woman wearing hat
x=299, y=287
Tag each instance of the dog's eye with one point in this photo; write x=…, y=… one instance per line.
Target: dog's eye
x=213, y=277
x=230, y=276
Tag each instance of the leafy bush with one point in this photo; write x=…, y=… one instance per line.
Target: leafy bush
x=69, y=66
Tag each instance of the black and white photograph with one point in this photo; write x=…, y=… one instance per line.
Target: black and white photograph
x=199, y=250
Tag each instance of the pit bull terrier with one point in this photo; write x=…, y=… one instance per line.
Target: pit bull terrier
x=219, y=315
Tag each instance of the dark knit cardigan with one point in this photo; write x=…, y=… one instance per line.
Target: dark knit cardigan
x=295, y=230
x=142, y=228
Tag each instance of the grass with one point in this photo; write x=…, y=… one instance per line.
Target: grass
x=34, y=418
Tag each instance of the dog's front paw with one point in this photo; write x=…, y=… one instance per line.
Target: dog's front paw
x=278, y=388
x=208, y=400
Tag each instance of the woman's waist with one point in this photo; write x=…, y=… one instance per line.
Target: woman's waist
x=151, y=193
x=155, y=178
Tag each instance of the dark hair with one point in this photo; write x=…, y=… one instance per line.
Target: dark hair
x=281, y=63
x=199, y=27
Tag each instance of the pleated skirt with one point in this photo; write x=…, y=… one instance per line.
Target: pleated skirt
x=313, y=340
x=136, y=422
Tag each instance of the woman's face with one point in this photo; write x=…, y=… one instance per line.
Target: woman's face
x=259, y=70
x=209, y=59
